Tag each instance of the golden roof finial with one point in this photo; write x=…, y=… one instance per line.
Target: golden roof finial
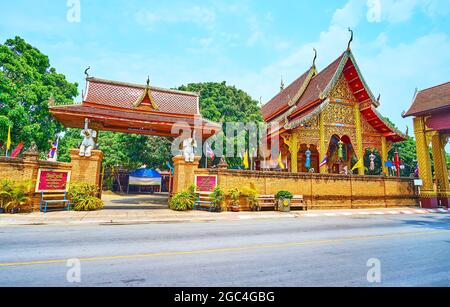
x=282, y=84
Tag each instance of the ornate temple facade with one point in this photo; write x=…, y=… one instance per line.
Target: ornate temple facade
x=431, y=112
x=328, y=121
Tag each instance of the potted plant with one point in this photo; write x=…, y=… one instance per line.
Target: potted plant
x=233, y=195
x=284, y=199
x=251, y=197
x=218, y=196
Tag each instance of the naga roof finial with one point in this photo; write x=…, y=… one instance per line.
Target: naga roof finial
x=86, y=72
x=281, y=84
x=351, y=39
x=148, y=81
x=315, y=57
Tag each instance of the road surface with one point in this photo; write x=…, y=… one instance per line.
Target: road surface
x=408, y=251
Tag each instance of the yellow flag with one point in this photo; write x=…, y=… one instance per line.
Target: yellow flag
x=8, y=141
x=358, y=165
x=246, y=160
x=280, y=162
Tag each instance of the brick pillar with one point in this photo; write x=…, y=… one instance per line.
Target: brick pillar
x=184, y=174
x=87, y=170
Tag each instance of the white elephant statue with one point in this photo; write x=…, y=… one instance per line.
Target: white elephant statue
x=189, y=146
x=88, y=144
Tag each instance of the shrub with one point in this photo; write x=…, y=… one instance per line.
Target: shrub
x=14, y=194
x=284, y=195
x=182, y=201
x=89, y=203
x=84, y=197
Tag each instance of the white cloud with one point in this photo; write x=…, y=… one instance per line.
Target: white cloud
x=203, y=16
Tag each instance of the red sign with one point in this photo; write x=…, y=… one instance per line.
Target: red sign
x=205, y=183
x=53, y=181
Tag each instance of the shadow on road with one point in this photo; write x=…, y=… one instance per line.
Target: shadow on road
x=431, y=222
x=137, y=202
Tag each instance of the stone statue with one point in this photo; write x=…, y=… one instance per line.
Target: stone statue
x=189, y=146
x=341, y=150
x=372, y=158
x=88, y=143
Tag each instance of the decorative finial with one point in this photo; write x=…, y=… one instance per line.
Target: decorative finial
x=148, y=81
x=351, y=38
x=281, y=84
x=51, y=101
x=315, y=57
x=379, y=99
x=407, y=132
x=86, y=72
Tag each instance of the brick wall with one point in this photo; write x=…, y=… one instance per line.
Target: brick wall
x=325, y=191
x=26, y=169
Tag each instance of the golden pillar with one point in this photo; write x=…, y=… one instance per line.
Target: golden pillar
x=384, y=155
x=427, y=194
x=359, y=143
x=292, y=141
x=440, y=168
x=322, y=143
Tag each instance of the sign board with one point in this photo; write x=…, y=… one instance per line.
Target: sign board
x=205, y=183
x=418, y=182
x=52, y=181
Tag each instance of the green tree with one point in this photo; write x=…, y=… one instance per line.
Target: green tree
x=27, y=81
x=226, y=104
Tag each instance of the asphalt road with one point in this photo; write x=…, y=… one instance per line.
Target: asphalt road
x=411, y=250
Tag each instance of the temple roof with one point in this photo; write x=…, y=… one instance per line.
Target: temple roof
x=314, y=92
x=430, y=100
x=132, y=108
x=126, y=96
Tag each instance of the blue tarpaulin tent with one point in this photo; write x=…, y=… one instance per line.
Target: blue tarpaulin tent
x=145, y=177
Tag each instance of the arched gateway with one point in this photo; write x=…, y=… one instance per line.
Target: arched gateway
x=132, y=108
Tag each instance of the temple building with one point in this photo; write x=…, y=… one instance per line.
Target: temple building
x=328, y=121
x=431, y=112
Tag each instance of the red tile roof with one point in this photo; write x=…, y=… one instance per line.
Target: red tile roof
x=312, y=93
x=430, y=99
x=124, y=95
x=319, y=83
x=282, y=99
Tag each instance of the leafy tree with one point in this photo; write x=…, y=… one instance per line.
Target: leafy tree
x=226, y=104
x=27, y=81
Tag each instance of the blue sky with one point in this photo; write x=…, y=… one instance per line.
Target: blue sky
x=399, y=45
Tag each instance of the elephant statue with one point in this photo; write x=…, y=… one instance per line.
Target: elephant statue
x=189, y=146
x=88, y=143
